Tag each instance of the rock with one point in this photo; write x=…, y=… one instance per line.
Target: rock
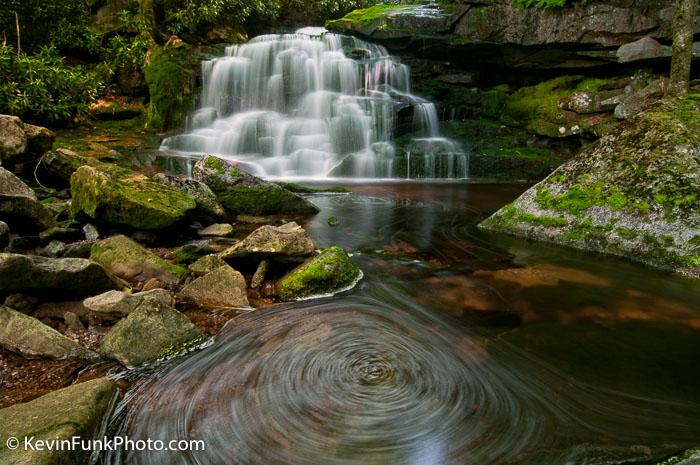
x=80, y=249
x=54, y=249
x=189, y=253
x=60, y=164
x=91, y=232
x=643, y=49
x=12, y=185
x=58, y=310
x=129, y=260
x=73, y=322
x=152, y=284
x=260, y=273
x=222, y=287
x=240, y=192
x=25, y=214
x=114, y=305
x=30, y=337
x=22, y=303
x=4, y=235
x=13, y=139
x=117, y=196
x=252, y=219
x=632, y=193
x=61, y=234
x=206, y=264
x=288, y=242
x=205, y=198
x=78, y=410
x=329, y=272
x=153, y=330
x=216, y=230
x=689, y=457
x=55, y=277
x=39, y=139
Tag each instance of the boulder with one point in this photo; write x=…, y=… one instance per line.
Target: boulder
x=31, y=338
x=689, y=457
x=60, y=164
x=54, y=277
x=117, y=196
x=240, y=192
x=329, y=272
x=4, y=235
x=152, y=331
x=77, y=410
x=39, y=139
x=206, y=264
x=13, y=139
x=133, y=262
x=189, y=253
x=12, y=185
x=216, y=230
x=222, y=287
x=115, y=305
x=207, y=205
x=643, y=49
x=288, y=242
x=22, y=303
x=25, y=214
x=633, y=193
x=55, y=249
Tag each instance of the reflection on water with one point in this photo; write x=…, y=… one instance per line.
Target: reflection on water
x=457, y=348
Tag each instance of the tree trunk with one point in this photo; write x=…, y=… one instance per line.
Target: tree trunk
x=682, y=46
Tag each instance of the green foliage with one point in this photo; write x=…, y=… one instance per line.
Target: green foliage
x=169, y=79
x=548, y=3
x=128, y=48
x=42, y=87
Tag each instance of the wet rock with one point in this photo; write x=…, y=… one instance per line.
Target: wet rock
x=288, y=242
x=260, y=273
x=54, y=249
x=643, y=49
x=327, y=273
x=22, y=303
x=65, y=277
x=77, y=410
x=30, y=337
x=205, y=198
x=152, y=331
x=240, y=192
x=206, y=264
x=131, y=261
x=252, y=219
x=222, y=287
x=114, y=305
x=4, y=235
x=13, y=139
x=216, y=230
x=117, y=196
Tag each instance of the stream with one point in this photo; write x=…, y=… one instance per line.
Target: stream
x=457, y=347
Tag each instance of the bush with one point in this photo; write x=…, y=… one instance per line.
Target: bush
x=43, y=88
x=127, y=49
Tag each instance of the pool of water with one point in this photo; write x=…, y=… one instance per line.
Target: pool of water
x=458, y=347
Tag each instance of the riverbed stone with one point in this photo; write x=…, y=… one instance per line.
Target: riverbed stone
x=114, y=305
x=329, y=272
x=131, y=261
x=25, y=214
x=153, y=330
x=207, y=205
x=12, y=185
x=240, y=192
x=633, y=193
x=54, y=277
x=76, y=410
x=216, y=230
x=31, y=338
x=222, y=287
x=643, y=49
x=260, y=274
x=4, y=235
x=289, y=242
x=206, y=264
x=13, y=139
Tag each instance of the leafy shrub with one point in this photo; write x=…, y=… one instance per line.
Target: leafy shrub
x=43, y=88
x=128, y=48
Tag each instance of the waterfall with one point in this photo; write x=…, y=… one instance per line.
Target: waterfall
x=318, y=105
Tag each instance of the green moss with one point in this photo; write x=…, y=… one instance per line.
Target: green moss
x=121, y=252
x=580, y=197
x=684, y=457
x=626, y=233
x=169, y=75
x=366, y=16
x=549, y=221
x=219, y=166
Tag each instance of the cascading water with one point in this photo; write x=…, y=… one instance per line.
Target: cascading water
x=315, y=104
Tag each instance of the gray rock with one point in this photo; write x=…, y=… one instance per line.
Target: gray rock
x=4, y=235
x=13, y=139
x=643, y=49
x=30, y=337
x=288, y=242
x=73, y=322
x=114, y=305
x=56, y=277
x=205, y=198
x=152, y=331
x=240, y=192
x=77, y=410
x=39, y=139
x=206, y=264
x=216, y=230
x=91, y=232
x=62, y=234
x=222, y=287
x=25, y=214
x=58, y=165
x=12, y=185
x=54, y=249
x=260, y=273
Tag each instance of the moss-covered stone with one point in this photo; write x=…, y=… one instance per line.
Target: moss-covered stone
x=689, y=457
x=129, y=260
x=223, y=287
x=77, y=410
x=206, y=264
x=329, y=272
x=633, y=193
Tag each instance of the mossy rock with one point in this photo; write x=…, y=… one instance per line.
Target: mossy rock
x=129, y=260
x=206, y=264
x=77, y=410
x=329, y=272
x=116, y=196
x=689, y=457
x=223, y=287
x=634, y=193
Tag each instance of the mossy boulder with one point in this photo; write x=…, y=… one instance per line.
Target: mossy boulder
x=53, y=277
x=117, y=196
x=77, y=410
x=207, y=205
x=223, y=287
x=31, y=338
x=240, y=192
x=114, y=305
x=130, y=260
x=327, y=273
x=634, y=193
x=206, y=264
x=152, y=331
x=57, y=166
x=289, y=242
